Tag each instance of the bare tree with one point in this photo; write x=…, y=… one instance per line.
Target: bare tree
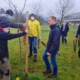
x=37, y=8
x=14, y=7
x=63, y=8
x=50, y=13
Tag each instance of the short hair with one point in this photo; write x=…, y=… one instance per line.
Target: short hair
x=53, y=18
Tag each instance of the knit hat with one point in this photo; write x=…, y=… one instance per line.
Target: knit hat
x=10, y=12
x=32, y=15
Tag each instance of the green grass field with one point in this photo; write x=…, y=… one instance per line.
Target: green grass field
x=68, y=62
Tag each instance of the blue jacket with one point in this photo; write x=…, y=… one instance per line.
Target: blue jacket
x=4, y=37
x=78, y=32
x=54, y=39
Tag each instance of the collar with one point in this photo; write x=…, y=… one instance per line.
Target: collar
x=53, y=26
x=1, y=29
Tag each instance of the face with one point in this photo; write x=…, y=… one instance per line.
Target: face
x=51, y=21
x=6, y=29
x=32, y=18
x=9, y=17
x=64, y=21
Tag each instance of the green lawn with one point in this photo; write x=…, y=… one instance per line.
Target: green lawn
x=68, y=62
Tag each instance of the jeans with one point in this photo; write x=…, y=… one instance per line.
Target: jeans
x=53, y=61
x=33, y=45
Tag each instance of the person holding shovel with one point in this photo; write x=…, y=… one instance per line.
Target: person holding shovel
x=34, y=33
x=4, y=37
x=52, y=48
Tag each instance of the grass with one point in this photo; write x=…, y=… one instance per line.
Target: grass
x=68, y=62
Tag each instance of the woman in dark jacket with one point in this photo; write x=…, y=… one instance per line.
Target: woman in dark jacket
x=64, y=31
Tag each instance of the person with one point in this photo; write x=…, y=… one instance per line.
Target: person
x=78, y=32
x=34, y=32
x=64, y=31
x=78, y=36
x=4, y=37
x=7, y=17
x=52, y=48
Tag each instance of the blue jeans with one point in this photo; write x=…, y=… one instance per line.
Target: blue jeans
x=33, y=45
x=53, y=61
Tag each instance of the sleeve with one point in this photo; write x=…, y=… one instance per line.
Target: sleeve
x=39, y=29
x=9, y=36
x=67, y=28
x=78, y=31
x=14, y=25
x=56, y=41
x=61, y=28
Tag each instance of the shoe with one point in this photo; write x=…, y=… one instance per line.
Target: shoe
x=53, y=76
x=1, y=76
x=30, y=55
x=35, y=57
x=47, y=72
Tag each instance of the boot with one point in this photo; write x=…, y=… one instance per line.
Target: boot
x=65, y=41
x=53, y=76
x=30, y=55
x=47, y=72
x=35, y=57
x=1, y=76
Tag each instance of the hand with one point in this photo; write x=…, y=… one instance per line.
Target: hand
x=48, y=54
x=26, y=30
x=39, y=37
x=25, y=25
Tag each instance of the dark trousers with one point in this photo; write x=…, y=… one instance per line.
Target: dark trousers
x=64, y=39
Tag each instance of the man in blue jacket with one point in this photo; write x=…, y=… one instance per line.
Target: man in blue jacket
x=7, y=17
x=4, y=37
x=52, y=48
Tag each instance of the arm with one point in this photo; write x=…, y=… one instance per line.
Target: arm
x=67, y=28
x=39, y=29
x=61, y=28
x=78, y=31
x=8, y=36
x=39, y=35
x=56, y=41
x=14, y=25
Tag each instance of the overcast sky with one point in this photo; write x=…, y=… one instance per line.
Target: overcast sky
x=47, y=4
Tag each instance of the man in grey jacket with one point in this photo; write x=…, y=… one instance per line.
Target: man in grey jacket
x=7, y=17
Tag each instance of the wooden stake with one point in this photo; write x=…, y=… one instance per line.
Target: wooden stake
x=26, y=46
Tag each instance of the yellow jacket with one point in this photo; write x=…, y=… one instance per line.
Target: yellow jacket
x=34, y=28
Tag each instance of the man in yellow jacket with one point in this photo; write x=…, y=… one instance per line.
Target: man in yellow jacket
x=34, y=33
